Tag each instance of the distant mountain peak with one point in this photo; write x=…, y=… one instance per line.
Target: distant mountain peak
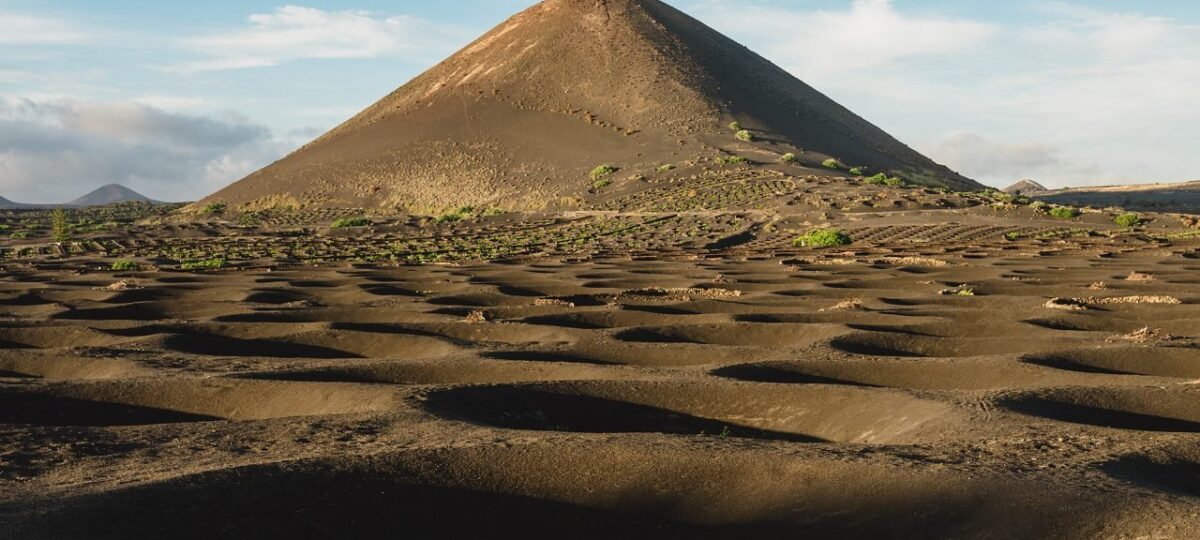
x=1024, y=186
x=110, y=194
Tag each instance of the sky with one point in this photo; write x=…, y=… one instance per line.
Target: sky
x=179, y=99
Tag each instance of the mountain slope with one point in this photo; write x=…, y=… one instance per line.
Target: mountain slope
x=519, y=117
x=109, y=194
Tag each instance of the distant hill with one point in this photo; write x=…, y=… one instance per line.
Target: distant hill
x=1181, y=197
x=6, y=204
x=519, y=118
x=1024, y=187
x=110, y=194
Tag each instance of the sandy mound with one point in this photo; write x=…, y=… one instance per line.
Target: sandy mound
x=585, y=492
x=816, y=413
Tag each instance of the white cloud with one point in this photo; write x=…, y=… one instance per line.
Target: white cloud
x=293, y=33
x=985, y=159
x=871, y=33
x=1107, y=95
x=51, y=151
x=29, y=29
x=1002, y=163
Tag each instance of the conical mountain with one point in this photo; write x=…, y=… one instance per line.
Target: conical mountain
x=110, y=194
x=6, y=204
x=519, y=117
x=1024, y=186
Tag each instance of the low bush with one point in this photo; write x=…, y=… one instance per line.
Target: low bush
x=458, y=214
x=857, y=171
x=125, y=266
x=203, y=264
x=884, y=180
x=1128, y=220
x=214, y=209
x=823, y=238
x=346, y=223
x=730, y=160
x=735, y=126
x=1065, y=212
x=788, y=158
x=833, y=164
x=602, y=171
x=601, y=183
x=744, y=135
x=666, y=168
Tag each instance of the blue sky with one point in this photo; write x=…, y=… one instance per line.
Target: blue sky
x=178, y=99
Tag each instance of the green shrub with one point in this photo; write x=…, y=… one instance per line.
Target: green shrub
x=19, y=235
x=730, y=160
x=203, y=264
x=351, y=222
x=857, y=171
x=744, y=135
x=601, y=183
x=735, y=126
x=823, y=238
x=1128, y=220
x=458, y=214
x=884, y=180
x=125, y=266
x=346, y=223
x=60, y=225
x=1065, y=212
x=214, y=209
x=788, y=158
x=666, y=168
x=833, y=164
x=602, y=171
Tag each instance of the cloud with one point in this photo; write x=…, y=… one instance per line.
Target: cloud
x=871, y=33
x=29, y=29
x=985, y=160
x=293, y=33
x=1109, y=94
x=51, y=151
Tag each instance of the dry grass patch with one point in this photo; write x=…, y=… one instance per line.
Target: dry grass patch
x=1080, y=304
x=678, y=294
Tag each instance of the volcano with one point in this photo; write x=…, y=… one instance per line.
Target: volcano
x=110, y=194
x=518, y=118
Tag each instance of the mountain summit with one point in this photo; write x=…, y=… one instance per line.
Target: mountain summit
x=519, y=117
x=109, y=194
